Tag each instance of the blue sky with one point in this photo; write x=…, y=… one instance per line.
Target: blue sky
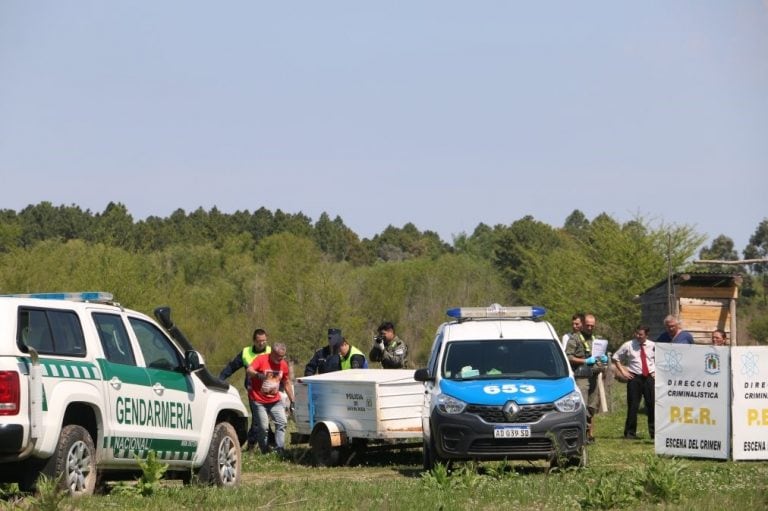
x=441, y=113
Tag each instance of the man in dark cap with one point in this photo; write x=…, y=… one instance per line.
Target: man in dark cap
x=326, y=359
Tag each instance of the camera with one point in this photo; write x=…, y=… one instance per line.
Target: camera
x=378, y=339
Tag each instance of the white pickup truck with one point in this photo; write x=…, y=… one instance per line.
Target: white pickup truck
x=341, y=412
x=87, y=386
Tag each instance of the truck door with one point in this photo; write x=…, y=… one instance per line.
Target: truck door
x=126, y=384
x=178, y=399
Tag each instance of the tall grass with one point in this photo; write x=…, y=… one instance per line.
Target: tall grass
x=622, y=474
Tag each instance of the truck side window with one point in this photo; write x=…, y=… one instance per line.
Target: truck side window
x=114, y=339
x=67, y=332
x=158, y=351
x=52, y=332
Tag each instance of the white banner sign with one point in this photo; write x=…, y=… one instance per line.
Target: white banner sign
x=693, y=399
x=750, y=402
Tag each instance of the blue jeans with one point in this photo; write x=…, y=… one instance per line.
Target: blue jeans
x=253, y=431
x=261, y=414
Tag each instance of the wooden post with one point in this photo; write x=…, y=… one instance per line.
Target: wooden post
x=601, y=393
x=734, y=337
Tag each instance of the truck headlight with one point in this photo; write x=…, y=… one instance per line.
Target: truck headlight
x=569, y=403
x=451, y=405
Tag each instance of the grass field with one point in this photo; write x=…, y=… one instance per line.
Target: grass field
x=621, y=474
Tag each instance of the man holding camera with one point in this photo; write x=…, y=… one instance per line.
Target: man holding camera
x=388, y=348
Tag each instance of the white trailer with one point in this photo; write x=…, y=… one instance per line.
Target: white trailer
x=347, y=411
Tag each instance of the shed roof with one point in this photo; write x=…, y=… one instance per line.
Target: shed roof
x=700, y=279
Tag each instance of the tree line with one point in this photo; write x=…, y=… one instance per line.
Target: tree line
x=116, y=227
x=225, y=274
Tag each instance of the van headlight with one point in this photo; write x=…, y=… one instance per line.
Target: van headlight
x=450, y=405
x=569, y=403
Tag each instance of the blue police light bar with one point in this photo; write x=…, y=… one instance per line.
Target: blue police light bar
x=84, y=296
x=496, y=311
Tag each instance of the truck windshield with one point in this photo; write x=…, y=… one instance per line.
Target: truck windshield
x=504, y=358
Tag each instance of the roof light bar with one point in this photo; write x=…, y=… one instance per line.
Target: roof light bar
x=84, y=296
x=496, y=311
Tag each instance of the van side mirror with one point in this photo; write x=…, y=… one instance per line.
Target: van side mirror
x=422, y=374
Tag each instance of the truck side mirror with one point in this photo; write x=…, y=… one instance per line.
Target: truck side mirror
x=193, y=361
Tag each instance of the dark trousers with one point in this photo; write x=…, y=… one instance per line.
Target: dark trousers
x=640, y=387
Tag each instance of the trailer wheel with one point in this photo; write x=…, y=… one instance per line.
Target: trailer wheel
x=323, y=453
x=74, y=461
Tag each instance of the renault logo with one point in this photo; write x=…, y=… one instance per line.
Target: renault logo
x=511, y=409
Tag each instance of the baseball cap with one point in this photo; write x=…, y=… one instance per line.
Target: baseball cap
x=334, y=337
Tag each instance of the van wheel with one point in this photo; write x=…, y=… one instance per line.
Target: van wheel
x=580, y=460
x=323, y=453
x=575, y=461
x=74, y=461
x=222, y=465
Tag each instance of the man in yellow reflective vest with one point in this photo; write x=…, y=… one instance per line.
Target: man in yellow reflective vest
x=351, y=357
x=241, y=361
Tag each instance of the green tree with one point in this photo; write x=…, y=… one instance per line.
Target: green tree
x=334, y=238
x=576, y=224
x=721, y=248
x=302, y=295
x=114, y=227
x=600, y=271
x=414, y=295
x=38, y=222
x=518, y=245
x=262, y=224
x=398, y=244
x=481, y=243
x=298, y=224
x=758, y=247
x=10, y=230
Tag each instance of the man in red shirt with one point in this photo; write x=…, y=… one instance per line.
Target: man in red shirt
x=267, y=372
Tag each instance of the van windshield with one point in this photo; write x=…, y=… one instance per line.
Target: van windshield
x=504, y=358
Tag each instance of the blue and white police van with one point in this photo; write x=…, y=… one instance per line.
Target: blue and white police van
x=498, y=386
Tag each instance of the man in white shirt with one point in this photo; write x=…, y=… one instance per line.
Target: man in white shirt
x=635, y=361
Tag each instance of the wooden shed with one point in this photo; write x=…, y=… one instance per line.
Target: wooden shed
x=702, y=302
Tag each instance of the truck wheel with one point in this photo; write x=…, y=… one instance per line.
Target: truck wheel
x=222, y=465
x=323, y=453
x=74, y=461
